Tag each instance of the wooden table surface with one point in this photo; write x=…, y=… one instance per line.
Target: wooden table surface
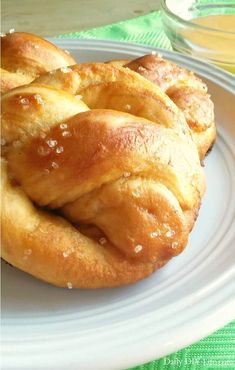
x=53, y=17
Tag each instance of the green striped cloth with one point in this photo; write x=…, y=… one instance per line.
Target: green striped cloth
x=146, y=29
x=216, y=352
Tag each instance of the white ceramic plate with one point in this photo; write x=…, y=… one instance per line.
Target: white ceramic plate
x=46, y=327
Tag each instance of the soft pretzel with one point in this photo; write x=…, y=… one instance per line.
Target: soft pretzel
x=185, y=89
x=25, y=56
x=96, y=197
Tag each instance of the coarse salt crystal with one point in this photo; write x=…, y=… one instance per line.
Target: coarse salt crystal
x=59, y=150
x=12, y=30
x=39, y=99
x=63, y=125
x=24, y=101
x=170, y=233
x=51, y=143
x=154, y=234
x=138, y=248
x=54, y=165
x=174, y=245
x=65, y=254
x=126, y=174
x=102, y=241
x=69, y=285
x=140, y=68
x=66, y=133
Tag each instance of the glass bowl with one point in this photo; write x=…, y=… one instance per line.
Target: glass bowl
x=202, y=28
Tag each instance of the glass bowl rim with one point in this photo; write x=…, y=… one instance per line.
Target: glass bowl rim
x=192, y=24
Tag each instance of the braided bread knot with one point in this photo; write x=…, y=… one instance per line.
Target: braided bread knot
x=101, y=197
x=187, y=91
x=25, y=56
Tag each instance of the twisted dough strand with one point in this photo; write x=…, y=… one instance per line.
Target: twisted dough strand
x=108, y=87
x=25, y=56
x=51, y=249
x=109, y=173
x=111, y=86
x=187, y=91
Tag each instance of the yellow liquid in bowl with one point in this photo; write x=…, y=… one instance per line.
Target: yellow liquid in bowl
x=222, y=22
x=217, y=47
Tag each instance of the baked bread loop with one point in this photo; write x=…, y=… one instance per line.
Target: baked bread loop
x=52, y=249
x=186, y=90
x=25, y=56
x=94, y=197
x=106, y=86
x=33, y=109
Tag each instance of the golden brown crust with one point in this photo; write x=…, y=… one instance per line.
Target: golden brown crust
x=113, y=87
x=33, y=109
x=102, y=181
x=116, y=143
x=106, y=86
x=187, y=91
x=50, y=248
x=25, y=56
x=109, y=173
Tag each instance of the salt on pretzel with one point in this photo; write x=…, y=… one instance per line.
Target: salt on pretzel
x=25, y=56
x=109, y=85
x=185, y=89
x=95, y=197
x=103, y=86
